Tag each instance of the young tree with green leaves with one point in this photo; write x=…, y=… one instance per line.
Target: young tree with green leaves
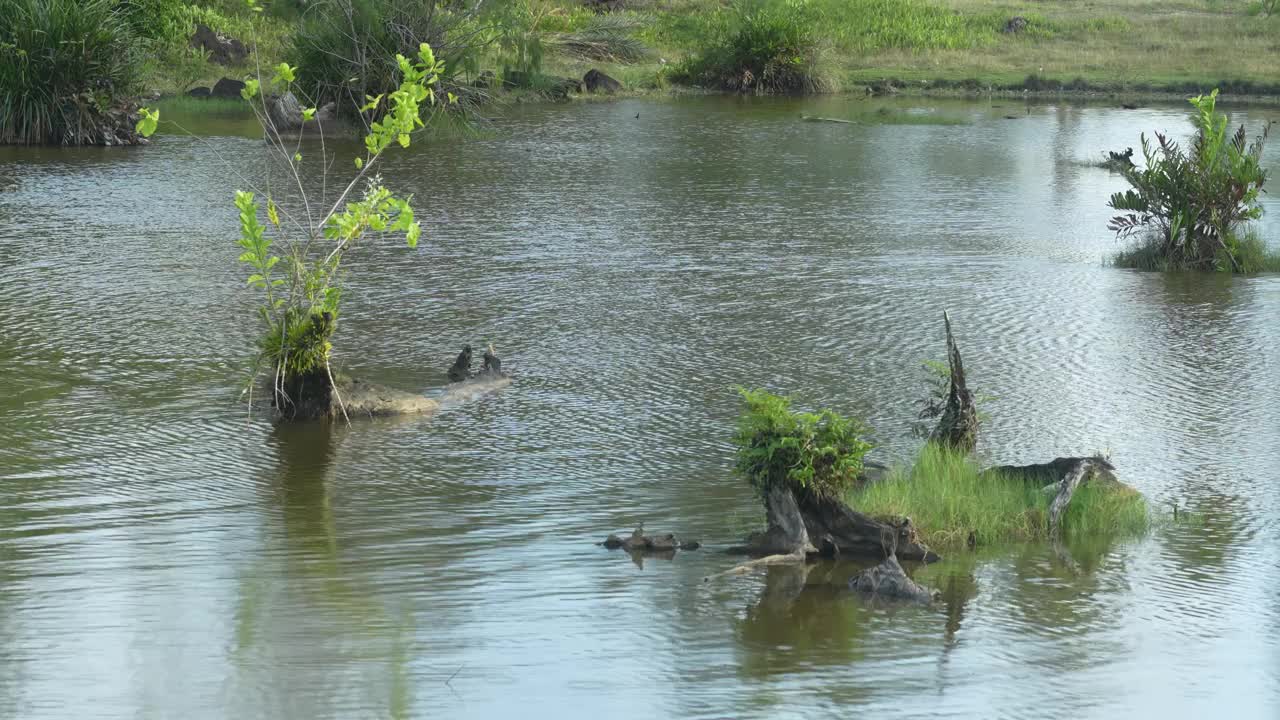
x=294, y=255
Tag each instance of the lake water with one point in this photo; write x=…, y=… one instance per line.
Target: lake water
x=164, y=555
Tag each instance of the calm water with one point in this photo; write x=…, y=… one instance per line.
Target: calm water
x=162, y=555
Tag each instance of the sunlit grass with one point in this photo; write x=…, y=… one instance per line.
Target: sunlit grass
x=948, y=499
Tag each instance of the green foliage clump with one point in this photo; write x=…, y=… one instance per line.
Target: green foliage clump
x=346, y=49
x=63, y=63
x=1189, y=206
x=820, y=453
x=948, y=498
x=764, y=46
x=297, y=264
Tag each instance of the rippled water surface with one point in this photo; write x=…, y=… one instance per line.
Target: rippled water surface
x=164, y=555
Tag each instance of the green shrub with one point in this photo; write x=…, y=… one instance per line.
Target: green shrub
x=815, y=452
x=764, y=46
x=947, y=498
x=63, y=63
x=1188, y=206
x=346, y=49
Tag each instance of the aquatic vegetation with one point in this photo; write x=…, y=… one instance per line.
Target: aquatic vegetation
x=296, y=262
x=817, y=452
x=65, y=65
x=1189, y=205
x=948, y=498
x=346, y=50
x=764, y=46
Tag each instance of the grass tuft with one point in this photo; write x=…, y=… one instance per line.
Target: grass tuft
x=947, y=498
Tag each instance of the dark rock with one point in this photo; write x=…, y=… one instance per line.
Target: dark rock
x=1016, y=24
x=882, y=88
x=201, y=92
x=596, y=81
x=222, y=50
x=889, y=581
x=227, y=88
x=286, y=115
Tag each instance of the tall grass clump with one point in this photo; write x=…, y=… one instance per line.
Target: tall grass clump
x=820, y=453
x=346, y=49
x=63, y=65
x=948, y=499
x=765, y=46
x=1189, y=207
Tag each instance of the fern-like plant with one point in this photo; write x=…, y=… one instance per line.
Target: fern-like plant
x=819, y=453
x=1191, y=203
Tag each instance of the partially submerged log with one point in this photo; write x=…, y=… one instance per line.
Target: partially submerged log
x=889, y=581
x=1063, y=476
x=638, y=541
x=958, y=427
x=349, y=398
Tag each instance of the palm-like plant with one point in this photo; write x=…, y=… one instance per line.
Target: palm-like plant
x=1194, y=201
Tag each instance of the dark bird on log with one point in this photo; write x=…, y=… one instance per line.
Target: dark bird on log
x=461, y=368
x=1128, y=106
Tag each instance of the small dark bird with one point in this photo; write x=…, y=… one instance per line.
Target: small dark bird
x=461, y=368
x=1010, y=117
x=1128, y=106
x=637, y=116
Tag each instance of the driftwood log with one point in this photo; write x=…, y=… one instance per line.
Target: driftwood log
x=638, y=541
x=958, y=427
x=1063, y=476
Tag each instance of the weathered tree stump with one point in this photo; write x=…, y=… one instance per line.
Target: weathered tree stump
x=958, y=426
x=803, y=524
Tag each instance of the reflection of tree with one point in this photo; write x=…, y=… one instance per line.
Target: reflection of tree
x=803, y=617
x=313, y=629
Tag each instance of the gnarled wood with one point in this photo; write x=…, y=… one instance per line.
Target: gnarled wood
x=854, y=533
x=786, y=533
x=958, y=426
x=889, y=581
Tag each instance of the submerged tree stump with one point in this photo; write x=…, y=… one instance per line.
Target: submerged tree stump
x=889, y=581
x=958, y=427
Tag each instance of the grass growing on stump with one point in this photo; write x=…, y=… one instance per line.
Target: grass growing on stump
x=947, y=499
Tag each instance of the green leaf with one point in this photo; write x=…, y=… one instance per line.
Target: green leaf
x=147, y=124
x=250, y=90
x=359, y=163
x=272, y=215
x=284, y=74
x=411, y=237
x=297, y=157
x=308, y=114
